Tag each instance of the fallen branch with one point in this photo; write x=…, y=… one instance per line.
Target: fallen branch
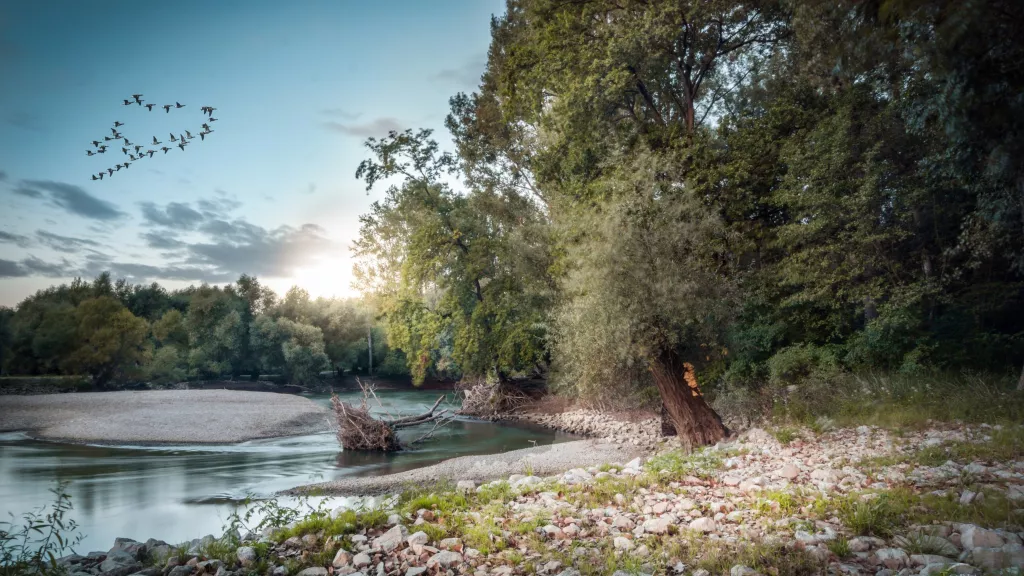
x=358, y=429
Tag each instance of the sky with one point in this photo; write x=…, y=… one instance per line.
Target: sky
x=271, y=192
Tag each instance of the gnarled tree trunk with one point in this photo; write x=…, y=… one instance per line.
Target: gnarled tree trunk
x=696, y=423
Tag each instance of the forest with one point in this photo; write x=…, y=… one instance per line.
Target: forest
x=652, y=200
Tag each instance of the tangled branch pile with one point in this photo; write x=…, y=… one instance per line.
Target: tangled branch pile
x=487, y=400
x=358, y=429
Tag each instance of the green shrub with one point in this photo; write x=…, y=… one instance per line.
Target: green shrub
x=34, y=545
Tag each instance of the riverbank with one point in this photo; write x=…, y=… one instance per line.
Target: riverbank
x=948, y=499
x=162, y=416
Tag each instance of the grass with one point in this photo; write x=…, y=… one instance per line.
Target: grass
x=701, y=463
x=785, y=435
x=839, y=546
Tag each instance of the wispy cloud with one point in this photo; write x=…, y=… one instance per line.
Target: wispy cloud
x=71, y=198
x=17, y=239
x=375, y=128
x=341, y=113
x=466, y=76
x=65, y=243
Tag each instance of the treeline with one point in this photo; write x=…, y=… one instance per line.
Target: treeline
x=117, y=332
x=756, y=192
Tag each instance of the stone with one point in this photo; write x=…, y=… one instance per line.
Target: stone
x=660, y=508
x=527, y=481
x=570, y=571
x=865, y=544
x=283, y=571
x=415, y=570
x=741, y=570
x=341, y=559
x=450, y=544
x=394, y=519
x=622, y=523
x=417, y=538
x=551, y=567
x=361, y=560
x=465, y=486
x=972, y=537
x=705, y=525
x=622, y=543
x=989, y=558
x=445, y=559
x=389, y=540
x=789, y=472
x=701, y=572
x=180, y=571
x=735, y=517
x=314, y=571
x=119, y=563
x=893, y=558
x=926, y=559
x=657, y=526
x=553, y=532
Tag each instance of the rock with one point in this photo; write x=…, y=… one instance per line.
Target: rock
x=788, y=472
x=865, y=543
x=450, y=544
x=622, y=543
x=527, y=481
x=119, y=563
x=341, y=559
x=660, y=507
x=180, y=571
x=553, y=532
x=735, y=517
x=389, y=540
x=622, y=523
x=136, y=549
x=705, y=525
x=465, y=486
x=283, y=571
x=633, y=464
x=701, y=572
x=927, y=559
x=972, y=537
x=989, y=558
x=361, y=560
x=893, y=558
x=415, y=570
x=570, y=571
x=314, y=571
x=394, y=520
x=445, y=559
x=657, y=526
x=551, y=567
x=741, y=570
x=417, y=538
x=246, y=555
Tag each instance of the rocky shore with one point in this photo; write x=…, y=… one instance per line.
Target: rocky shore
x=643, y=432
x=864, y=501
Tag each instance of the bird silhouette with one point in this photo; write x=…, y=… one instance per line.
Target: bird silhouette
x=117, y=168
x=127, y=102
x=150, y=152
x=132, y=156
x=114, y=131
x=189, y=134
x=138, y=98
x=180, y=137
x=94, y=177
x=107, y=138
x=205, y=109
x=173, y=139
x=110, y=171
x=95, y=142
x=155, y=142
x=124, y=150
x=116, y=123
x=127, y=143
x=178, y=105
x=126, y=164
x=165, y=149
x=167, y=107
x=101, y=175
x=206, y=126
x=90, y=153
x=150, y=107
x=137, y=148
x=102, y=150
x=212, y=119
x=182, y=145
x=202, y=135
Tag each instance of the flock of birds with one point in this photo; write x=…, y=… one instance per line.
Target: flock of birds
x=133, y=151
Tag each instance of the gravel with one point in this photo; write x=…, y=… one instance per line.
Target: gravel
x=162, y=416
x=540, y=460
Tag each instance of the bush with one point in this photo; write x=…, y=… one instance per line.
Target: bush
x=34, y=545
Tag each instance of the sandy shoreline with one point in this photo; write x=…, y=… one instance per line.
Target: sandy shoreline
x=539, y=460
x=162, y=416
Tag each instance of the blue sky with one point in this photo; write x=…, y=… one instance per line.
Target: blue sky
x=298, y=87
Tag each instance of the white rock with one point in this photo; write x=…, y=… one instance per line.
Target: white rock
x=415, y=570
x=445, y=559
x=705, y=525
x=972, y=537
x=789, y=472
x=893, y=558
x=342, y=559
x=465, y=486
x=246, y=555
x=361, y=560
x=657, y=526
x=417, y=538
x=741, y=570
x=622, y=543
x=389, y=540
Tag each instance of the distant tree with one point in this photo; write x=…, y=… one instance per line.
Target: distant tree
x=112, y=342
x=6, y=336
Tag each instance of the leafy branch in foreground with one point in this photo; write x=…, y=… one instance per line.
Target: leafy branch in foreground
x=34, y=545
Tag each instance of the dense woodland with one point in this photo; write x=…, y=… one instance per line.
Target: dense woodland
x=116, y=332
x=646, y=195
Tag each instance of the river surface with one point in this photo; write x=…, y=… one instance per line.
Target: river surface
x=177, y=493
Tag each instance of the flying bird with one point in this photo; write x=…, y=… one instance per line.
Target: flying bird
x=138, y=98
x=132, y=156
x=182, y=146
x=116, y=123
x=167, y=107
x=150, y=152
x=127, y=143
x=95, y=143
x=165, y=149
x=155, y=142
x=178, y=105
x=118, y=168
x=189, y=134
x=127, y=102
x=124, y=150
x=101, y=176
x=173, y=139
x=212, y=119
x=126, y=164
x=90, y=153
x=205, y=109
x=137, y=148
x=94, y=177
x=206, y=126
x=150, y=107
x=107, y=138
x=180, y=137
x=102, y=150
x=110, y=171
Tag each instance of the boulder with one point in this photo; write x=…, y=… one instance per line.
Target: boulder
x=893, y=558
x=789, y=472
x=464, y=486
x=657, y=526
x=314, y=571
x=972, y=537
x=341, y=559
x=705, y=525
x=417, y=538
x=246, y=555
x=119, y=563
x=445, y=559
x=389, y=540
x=180, y=571
x=622, y=543
x=361, y=560
x=415, y=570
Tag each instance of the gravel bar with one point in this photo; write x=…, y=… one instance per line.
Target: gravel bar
x=162, y=416
x=541, y=460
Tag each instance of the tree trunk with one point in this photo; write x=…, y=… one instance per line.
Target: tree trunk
x=695, y=422
x=667, y=427
x=1020, y=381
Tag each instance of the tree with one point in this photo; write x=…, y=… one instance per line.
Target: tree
x=112, y=341
x=6, y=336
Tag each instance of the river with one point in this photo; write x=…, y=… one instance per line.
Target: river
x=176, y=493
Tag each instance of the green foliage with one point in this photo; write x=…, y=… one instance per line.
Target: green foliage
x=112, y=342
x=42, y=536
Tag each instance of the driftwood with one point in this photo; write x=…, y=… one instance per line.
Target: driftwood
x=360, y=430
x=490, y=400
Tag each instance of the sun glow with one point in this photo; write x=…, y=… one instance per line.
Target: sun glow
x=331, y=277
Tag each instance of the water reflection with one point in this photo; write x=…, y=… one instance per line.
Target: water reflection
x=181, y=492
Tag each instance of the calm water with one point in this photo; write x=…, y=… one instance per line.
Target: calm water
x=176, y=493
